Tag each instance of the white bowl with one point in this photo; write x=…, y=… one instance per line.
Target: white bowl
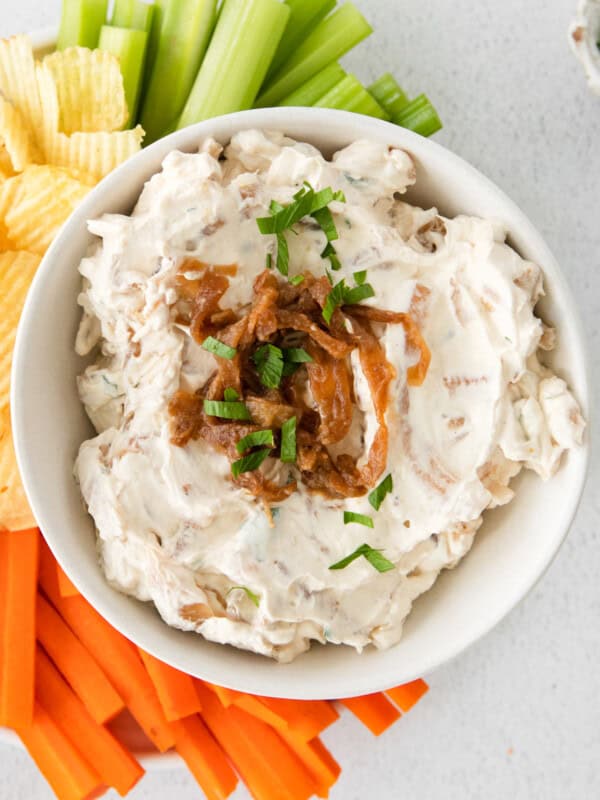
x=514, y=547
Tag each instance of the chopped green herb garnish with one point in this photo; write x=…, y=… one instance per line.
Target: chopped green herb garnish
x=358, y=293
x=331, y=253
x=377, y=496
x=230, y=394
x=324, y=218
x=374, y=557
x=250, y=462
x=255, y=439
x=283, y=254
x=360, y=519
x=296, y=280
x=269, y=263
x=360, y=277
x=288, y=441
x=334, y=299
x=269, y=365
x=226, y=409
x=296, y=355
x=218, y=348
x=251, y=596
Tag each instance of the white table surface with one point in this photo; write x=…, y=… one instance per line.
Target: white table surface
x=518, y=716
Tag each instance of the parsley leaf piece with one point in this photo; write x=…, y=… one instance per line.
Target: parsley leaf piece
x=378, y=495
x=230, y=394
x=250, y=462
x=283, y=254
x=358, y=293
x=288, y=441
x=296, y=355
x=297, y=280
x=331, y=253
x=360, y=519
x=269, y=365
x=218, y=348
x=255, y=439
x=324, y=218
x=334, y=299
x=226, y=409
x=360, y=277
x=374, y=557
x=255, y=598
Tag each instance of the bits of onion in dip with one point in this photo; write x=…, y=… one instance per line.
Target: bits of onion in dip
x=306, y=392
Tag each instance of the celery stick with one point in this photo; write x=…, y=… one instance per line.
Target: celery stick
x=136, y=14
x=184, y=35
x=350, y=95
x=241, y=50
x=130, y=48
x=419, y=116
x=316, y=87
x=81, y=22
x=388, y=94
x=305, y=15
x=332, y=37
x=153, y=41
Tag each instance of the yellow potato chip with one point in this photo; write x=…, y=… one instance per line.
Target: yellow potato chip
x=48, y=94
x=6, y=167
x=9, y=191
x=15, y=514
x=44, y=198
x=94, y=153
x=16, y=273
x=17, y=79
x=17, y=139
x=89, y=84
x=5, y=242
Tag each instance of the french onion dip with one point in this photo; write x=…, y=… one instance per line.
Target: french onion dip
x=306, y=392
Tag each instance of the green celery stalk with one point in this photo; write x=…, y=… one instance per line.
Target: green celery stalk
x=129, y=46
x=136, y=14
x=239, y=55
x=316, y=87
x=389, y=94
x=350, y=95
x=332, y=37
x=305, y=15
x=81, y=22
x=184, y=35
x=153, y=41
x=419, y=116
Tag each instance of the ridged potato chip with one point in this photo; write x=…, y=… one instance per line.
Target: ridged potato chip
x=96, y=154
x=6, y=167
x=40, y=201
x=18, y=80
x=16, y=273
x=15, y=514
x=17, y=139
x=89, y=85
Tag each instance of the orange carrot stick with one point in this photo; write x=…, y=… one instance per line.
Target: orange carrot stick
x=205, y=759
x=226, y=696
x=373, y=710
x=48, y=574
x=115, y=765
x=69, y=775
x=317, y=759
x=122, y=665
x=306, y=718
x=19, y=553
x=77, y=665
x=407, y=695
x=65, y=586
x=268, y=767
x=254, y=705
x=176, y=690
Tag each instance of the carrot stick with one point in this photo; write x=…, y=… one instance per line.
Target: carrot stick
x=254, y=705
x=205, y=759
x=226, y=696
x=114, y=764
x=65, y=585
x=373, y=710
x=119, y=660
x=80, y=669
x=48, y=574
x=318, y=761
x=306, y=718
x=409, y=694
x=19, y=553
x=176, y=690
x=267, y=766
x=69, y=775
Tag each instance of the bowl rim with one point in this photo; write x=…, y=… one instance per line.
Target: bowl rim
x=280, y=119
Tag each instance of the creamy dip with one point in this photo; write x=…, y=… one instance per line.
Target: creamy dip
x=172, y=526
